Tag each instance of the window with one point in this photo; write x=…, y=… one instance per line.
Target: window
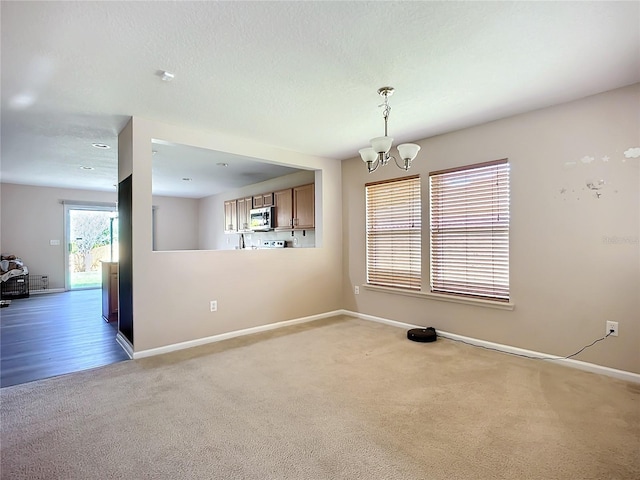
x=394, y=233
x=470, y=230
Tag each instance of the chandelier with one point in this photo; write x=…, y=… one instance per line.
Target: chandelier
x=378, y=153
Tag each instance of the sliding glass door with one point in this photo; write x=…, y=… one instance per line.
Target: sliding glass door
x=91, y=238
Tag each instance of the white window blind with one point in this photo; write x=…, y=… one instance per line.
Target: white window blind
x=394, y=233
x=470, y=230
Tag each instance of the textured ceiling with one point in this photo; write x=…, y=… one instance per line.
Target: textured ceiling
x=298, y=75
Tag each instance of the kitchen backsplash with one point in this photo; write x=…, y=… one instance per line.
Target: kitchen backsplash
x=255, y=239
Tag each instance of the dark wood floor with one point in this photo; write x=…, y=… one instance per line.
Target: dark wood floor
x=53, y=334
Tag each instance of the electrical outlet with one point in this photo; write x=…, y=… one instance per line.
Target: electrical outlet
x=214, y=305
x=612, y=326
x=356, y=290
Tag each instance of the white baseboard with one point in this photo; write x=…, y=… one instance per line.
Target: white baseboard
x=224, y=336
x=589, y=367
x=49, y=290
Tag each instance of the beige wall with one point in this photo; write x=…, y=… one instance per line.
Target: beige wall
x=31, y=217
x=574, y=258
x=172, y=290
x=176, y=225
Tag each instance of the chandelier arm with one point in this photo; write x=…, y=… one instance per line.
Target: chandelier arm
x=407, y=164
x=376, y=163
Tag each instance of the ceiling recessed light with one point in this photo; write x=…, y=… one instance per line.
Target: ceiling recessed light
x=222, y=164
x=187, y=179
x=86, y=167
x=102, y=146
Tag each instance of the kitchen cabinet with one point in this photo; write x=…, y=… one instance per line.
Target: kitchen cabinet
x=295, y=208
x=283, y=200
x=110, y=291
x=264, y=200
x=244, y=206
x=231, y=216
x=304, y=207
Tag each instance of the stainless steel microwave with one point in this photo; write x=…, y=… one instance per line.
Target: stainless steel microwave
x=262, y=218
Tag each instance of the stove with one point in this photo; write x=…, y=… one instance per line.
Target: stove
x=273, y=244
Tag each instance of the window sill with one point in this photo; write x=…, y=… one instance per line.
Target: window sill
x=443, y=298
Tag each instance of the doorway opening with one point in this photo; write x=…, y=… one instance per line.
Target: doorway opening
x=92, y=238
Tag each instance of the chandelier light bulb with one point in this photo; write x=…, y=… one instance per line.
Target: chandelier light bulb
x=408, y=151
x=368, y=154
x=381, y=144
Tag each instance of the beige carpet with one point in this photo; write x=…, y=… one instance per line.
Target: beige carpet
x=331, y=399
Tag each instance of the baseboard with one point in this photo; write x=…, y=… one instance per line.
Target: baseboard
x=589, y=367
x=48, y=290
x=224, y=336
x=124, y=343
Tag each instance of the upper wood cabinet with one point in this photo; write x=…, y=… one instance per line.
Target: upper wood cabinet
x=303, y=206
x=283, y=200
x=295, y=208
x=244, y=213
x=231, y=216
x=264, y=200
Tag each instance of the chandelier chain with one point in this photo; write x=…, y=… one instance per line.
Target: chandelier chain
x=386, y=110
